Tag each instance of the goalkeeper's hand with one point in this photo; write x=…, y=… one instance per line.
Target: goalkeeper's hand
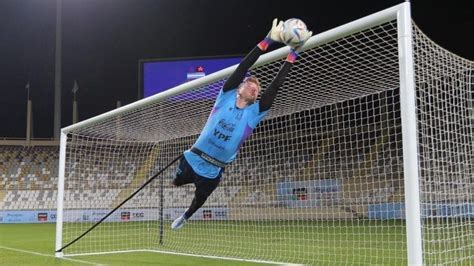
x=308, y=35
x=294, y=52
x=272, y=36
x=276, y=30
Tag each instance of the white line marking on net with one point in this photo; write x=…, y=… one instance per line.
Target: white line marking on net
x=47, y=255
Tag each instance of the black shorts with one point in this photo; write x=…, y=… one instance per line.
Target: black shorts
x=186, y=175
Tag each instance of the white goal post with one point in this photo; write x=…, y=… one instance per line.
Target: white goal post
x=366, y=157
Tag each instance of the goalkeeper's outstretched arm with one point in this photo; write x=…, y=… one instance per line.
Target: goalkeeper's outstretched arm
x=237, y=77
x=270, y=93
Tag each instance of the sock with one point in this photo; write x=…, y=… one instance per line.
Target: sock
x=186, y=215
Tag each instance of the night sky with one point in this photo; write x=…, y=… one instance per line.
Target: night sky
x=103, y=40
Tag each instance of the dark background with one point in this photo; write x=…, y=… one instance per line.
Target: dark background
x=103, y=40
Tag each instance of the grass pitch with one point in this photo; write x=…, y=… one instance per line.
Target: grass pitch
x=33, y=244
x=354, y=242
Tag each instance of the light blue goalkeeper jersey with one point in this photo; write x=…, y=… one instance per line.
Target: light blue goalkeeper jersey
x=226, y=129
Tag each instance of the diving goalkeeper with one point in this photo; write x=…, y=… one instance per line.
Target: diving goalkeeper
x=236, y=113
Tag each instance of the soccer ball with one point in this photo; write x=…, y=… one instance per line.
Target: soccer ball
x=294, y=32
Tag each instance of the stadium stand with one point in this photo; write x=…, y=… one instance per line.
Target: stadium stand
x=28, y=167
x=29, y=174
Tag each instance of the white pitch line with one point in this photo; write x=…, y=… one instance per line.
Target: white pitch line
x=227, y=258
x=47, y=255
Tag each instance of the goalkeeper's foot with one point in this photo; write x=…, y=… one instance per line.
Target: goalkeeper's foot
x=178, y=223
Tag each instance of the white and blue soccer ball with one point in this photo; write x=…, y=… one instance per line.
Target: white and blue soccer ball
x=294, y=32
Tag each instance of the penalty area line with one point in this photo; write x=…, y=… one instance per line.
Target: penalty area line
x=47, y=255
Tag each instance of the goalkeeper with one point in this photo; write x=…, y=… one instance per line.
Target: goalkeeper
x=235, y=114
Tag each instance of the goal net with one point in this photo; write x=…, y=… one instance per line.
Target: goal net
x=321, y=181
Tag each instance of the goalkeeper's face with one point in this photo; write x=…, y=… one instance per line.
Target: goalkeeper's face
x=249, y=91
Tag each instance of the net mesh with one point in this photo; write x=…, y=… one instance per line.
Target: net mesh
x=444, y=84
x=319, y=181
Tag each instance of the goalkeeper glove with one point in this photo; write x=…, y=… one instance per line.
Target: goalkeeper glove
x=294, y=52
x=273, y=35
x=305, y=37
x=276, y=30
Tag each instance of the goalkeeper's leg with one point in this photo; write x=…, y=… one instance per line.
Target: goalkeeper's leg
x=204, y=188
x=184, y=174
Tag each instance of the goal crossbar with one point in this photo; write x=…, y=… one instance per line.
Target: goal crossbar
x=316, y=40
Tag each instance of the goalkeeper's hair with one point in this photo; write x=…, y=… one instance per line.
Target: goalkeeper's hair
x=252, y=79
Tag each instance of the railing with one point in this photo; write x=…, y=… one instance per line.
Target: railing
x=27, y=143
